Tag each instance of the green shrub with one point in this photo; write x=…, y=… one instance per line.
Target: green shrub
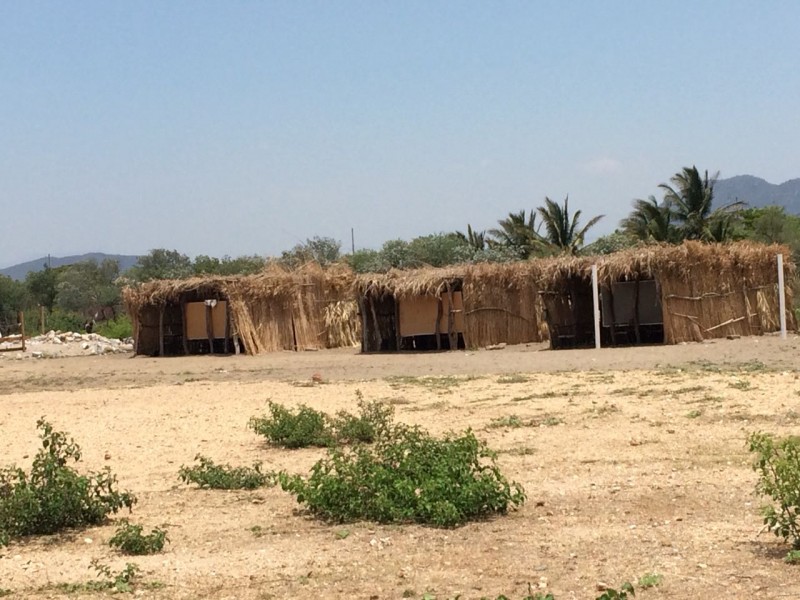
x=53, y=496
x=374, y=421
x=777, y=463
x=293, y=429
x=61, y=320
x=129, y=539
x=224, y=477
x=624, y=591
x=408, y=476
x=306, y=427
x=117, y=329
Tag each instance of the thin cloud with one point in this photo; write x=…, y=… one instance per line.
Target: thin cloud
x=603, y=166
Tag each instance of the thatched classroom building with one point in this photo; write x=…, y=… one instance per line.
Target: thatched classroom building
x=657, y=294
x=465, y=306
x=648, y=295
x=306, y=309
x=667, y=294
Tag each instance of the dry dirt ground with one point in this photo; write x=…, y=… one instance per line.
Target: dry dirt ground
x=633, y=460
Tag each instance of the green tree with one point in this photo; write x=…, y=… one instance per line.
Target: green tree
x=367, y=261
x=613, y=242
x=323, y=250
x=89, y=289
x=396, y=254
x=161, y=264
x=42, y=287
x=651, y=221
x=562, y=229
x=691, y=197
x=517, y=233
x=438, y=250
x=242, y=265
x=13, y=298
x=474, y=239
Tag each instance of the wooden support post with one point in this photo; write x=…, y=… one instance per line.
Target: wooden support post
x=595, y=308
x=21, y=316
x=227, y=327
x=184, y=327
x=398, y=338
x=781, y=297
x=377, y=324
x=452, y=338
x=161, y=330
x=439, y=313
x=210, y=325
x=362, y=309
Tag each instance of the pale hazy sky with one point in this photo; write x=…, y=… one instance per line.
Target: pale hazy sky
x=244, y=127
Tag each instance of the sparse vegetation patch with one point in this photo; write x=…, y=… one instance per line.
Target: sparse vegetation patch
x=53, y=496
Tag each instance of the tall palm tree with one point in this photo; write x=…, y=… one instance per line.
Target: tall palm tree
x=518, y=233
x=650, y=221
x=692, y=197
x=561, y=228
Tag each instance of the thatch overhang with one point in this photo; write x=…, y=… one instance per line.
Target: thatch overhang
x=407, y=283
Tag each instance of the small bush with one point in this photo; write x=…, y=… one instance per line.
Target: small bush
x=53, y=496
x=308, y=427
x=625, y=590
x=299, y=429
x=409, y=476
x=224, y=477
x=119, y=328
x=649, y=580
x=129, y=539
x=777, y=463
x=374, y=421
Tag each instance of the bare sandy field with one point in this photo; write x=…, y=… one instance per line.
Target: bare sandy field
x=634, y=462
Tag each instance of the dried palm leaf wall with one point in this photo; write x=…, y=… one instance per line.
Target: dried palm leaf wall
x=500, y=302
x=706, y=290
x=711, y=291
x=270, y=311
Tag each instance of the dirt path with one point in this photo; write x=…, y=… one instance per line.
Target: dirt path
x=123, y=370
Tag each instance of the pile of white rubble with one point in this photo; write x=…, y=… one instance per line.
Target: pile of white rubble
x=54, y=344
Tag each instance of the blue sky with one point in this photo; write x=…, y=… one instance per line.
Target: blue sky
x=245, y=127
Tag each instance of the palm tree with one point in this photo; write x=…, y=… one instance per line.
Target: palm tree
x=518, y=233
x=561, y=228
x=692, y=197
x=474, y=239
x=650, y=221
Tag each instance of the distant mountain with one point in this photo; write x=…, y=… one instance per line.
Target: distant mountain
x=757, y=192
x=21, y=270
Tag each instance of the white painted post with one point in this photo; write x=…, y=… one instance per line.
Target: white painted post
x=596, y=304
x=781, y=296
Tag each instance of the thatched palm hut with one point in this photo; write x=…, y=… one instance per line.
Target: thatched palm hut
x=651, y=294
x=667, y=294
x=309, y=308
x=468, y=306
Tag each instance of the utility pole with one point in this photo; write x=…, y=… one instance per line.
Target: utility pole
x=353, y=240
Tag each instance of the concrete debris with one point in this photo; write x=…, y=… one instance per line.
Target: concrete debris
x=54, y=344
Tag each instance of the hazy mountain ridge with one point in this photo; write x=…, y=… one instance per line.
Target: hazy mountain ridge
x=757, y=192
x=20, y=271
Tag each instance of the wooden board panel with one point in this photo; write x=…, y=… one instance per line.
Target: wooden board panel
x=418, y=315
x=196, y=320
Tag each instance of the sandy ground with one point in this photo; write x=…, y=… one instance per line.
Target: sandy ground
x=634, y=462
